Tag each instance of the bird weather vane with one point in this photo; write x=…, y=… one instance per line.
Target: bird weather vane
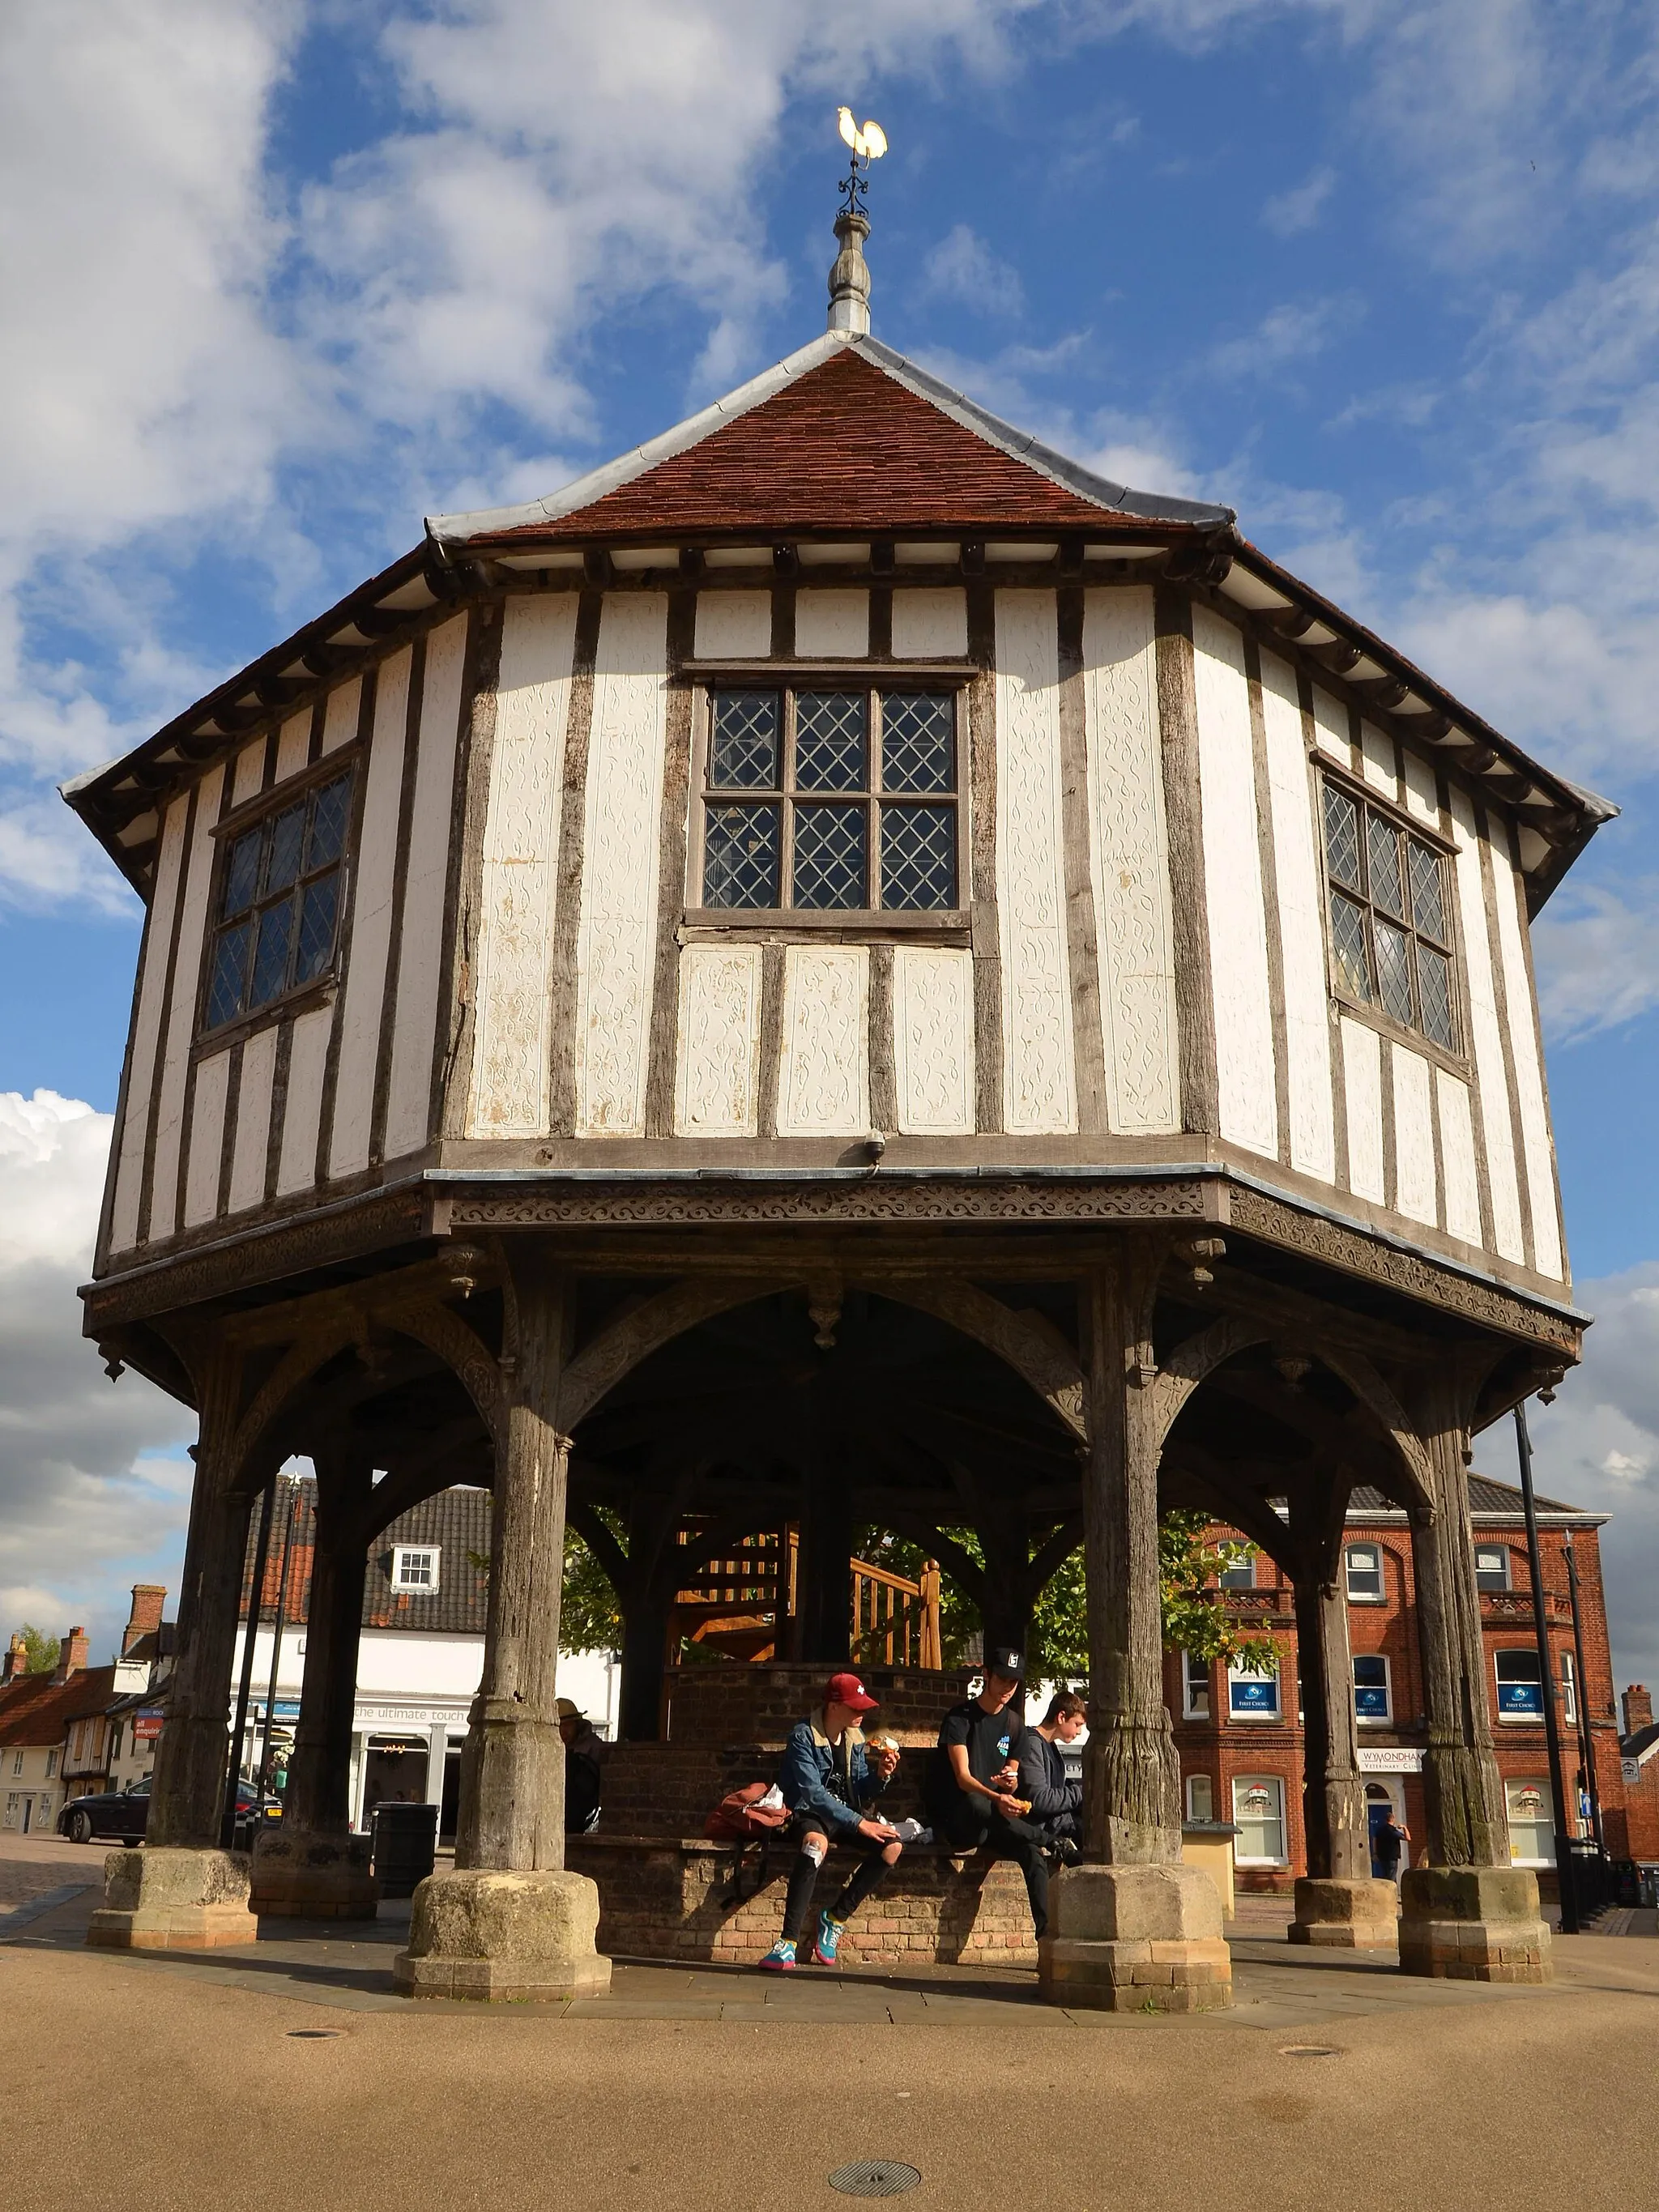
x=869, y=143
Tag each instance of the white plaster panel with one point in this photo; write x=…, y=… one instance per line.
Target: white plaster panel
x=376, y=873
x=1129, y=862
x=1537, y=1148
x=929, y=625
x=1498, y=1137
x=617, y=942
x=1232, y=887
x=249, y=773
x=1376, y=761
x=1422, y=794
x=181, y=1007
x=1039, y=1078
x=207, y=1137
x=823, y=1084
x=1457, y=1156
x=420, y=954
x=717, y=1059
x=1300, y=882
x=733, y=626
x=302, y=1106
x=933, y=1041
x=253, y=1092
x=340, y=717
x=511, y=1054
x=1330, y=720
x=832, y=625
x=147, y=1031
x=294, y=744
x=1362, y=1081
x=1415, y=1191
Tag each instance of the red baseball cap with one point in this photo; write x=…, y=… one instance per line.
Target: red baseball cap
x=848, y=1690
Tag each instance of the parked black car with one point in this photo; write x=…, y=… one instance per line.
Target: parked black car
x=124, y=1815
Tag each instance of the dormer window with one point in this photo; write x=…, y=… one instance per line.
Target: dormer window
x=415, y=1568
x=830, y=801
x=1390, y=916
x=279, y=902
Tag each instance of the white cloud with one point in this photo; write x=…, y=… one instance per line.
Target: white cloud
x=95, y=1485
x=1597, y=948
x=1289, y=214
x=962, y=269
x=1284, y=335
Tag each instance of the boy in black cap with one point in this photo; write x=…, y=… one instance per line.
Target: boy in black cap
x=974, y=1776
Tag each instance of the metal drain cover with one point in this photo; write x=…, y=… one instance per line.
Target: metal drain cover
x=874, y=2177
x=313, y=2034
x=1309, y=2050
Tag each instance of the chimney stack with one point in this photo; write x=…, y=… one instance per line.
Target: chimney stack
x=17, y=1660
x=1639, y=1708
x=145, y=1618
x=71, y=1654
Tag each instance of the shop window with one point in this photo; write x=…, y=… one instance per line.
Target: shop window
x=1390, y=916
x=1239, y=1573
x=1364, y=1574
x=1532, y=1825
x=1492, y=1566
x=415, y=1567
x=278, y=903
x=1259, y=1815
x=1372, y=1700
x=837, y=801
x=1252, y=1697
x=1201, y=1797
x=1195, y=1687
x=1519, y=1697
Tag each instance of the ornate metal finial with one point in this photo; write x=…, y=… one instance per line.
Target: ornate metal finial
x=849, y=279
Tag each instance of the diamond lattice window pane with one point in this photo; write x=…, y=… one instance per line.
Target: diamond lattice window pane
x=1434, y=983
x=831, y=741
x=241, y=875
x=1428, y=897
x=744, y=753
x=1394, y=973
x=1342, y=837
x=316, y=927
x=287, y=834
x=229, y=972
x=741, y=847
x=1354, y=961
x=328, y=810
x=1383, y=849
x=830, y=856
x=270, y=955
x=919, y=857
x=917, y=731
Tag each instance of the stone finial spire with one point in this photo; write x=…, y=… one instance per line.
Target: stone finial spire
x=849, y=279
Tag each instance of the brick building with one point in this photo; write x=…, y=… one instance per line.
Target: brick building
x=1640, y=1769
x=1240, y=1737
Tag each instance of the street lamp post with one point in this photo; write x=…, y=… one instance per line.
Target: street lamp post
x=1564, y=1868
x=245, y=1687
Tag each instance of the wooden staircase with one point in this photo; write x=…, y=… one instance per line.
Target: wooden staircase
x=741, y=1604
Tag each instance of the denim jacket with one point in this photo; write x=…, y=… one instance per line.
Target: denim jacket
x=825, y=1782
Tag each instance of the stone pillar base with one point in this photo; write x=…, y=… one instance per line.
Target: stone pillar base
x=1347, y=1916
x=1473, y=1924
x=1135, y=1939
x=166, y=1898
x=503, y=1938
x=301, y=1875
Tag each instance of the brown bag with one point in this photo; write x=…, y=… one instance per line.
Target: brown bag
x=740, y=1816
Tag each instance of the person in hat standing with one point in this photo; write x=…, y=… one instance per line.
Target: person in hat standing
x=828, y=1778
x=973, y=1801
x=581, y=1769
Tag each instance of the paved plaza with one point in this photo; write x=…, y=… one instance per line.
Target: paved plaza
x=289, y=2067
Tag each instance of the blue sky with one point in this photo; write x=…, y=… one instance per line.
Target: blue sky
x=1385, y=278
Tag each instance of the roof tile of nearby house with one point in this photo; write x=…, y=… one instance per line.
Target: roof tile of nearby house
x=1486, y=1496
x=456, y=1522
x=35, y=1710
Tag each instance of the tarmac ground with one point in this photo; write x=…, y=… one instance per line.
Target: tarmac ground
x=289, y=2070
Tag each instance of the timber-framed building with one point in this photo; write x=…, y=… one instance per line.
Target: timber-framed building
x=840, y=969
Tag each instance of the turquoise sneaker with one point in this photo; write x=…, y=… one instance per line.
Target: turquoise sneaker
x=780, y=1959
x=829, y=1940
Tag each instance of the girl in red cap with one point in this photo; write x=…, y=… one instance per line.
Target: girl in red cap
x=828, y=1776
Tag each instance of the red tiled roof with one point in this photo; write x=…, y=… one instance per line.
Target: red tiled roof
x=844, y=447
x=35, y=1710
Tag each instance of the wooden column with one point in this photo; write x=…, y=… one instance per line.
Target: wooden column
x=512, y=1809
x=318, y=1796
x=1333, y=1800
x=1133, y=1796
x=824, y=1593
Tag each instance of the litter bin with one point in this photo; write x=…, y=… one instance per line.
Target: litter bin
x=405, y=1847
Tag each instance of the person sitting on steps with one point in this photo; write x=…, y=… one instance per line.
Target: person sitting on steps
x=972, y=1800
x=828, y=1778
x=1046, y=1784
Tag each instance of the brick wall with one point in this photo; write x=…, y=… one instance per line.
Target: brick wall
x=744, y=1704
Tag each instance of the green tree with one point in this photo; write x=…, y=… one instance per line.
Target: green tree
x=42, y=1650
x=590, y=1618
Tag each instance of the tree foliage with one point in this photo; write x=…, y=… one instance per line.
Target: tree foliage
x=42, y=1650
x=590, y=1618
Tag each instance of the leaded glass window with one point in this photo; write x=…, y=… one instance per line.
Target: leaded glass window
x=1390, y=934
x=830, y=801
x=279, y=902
